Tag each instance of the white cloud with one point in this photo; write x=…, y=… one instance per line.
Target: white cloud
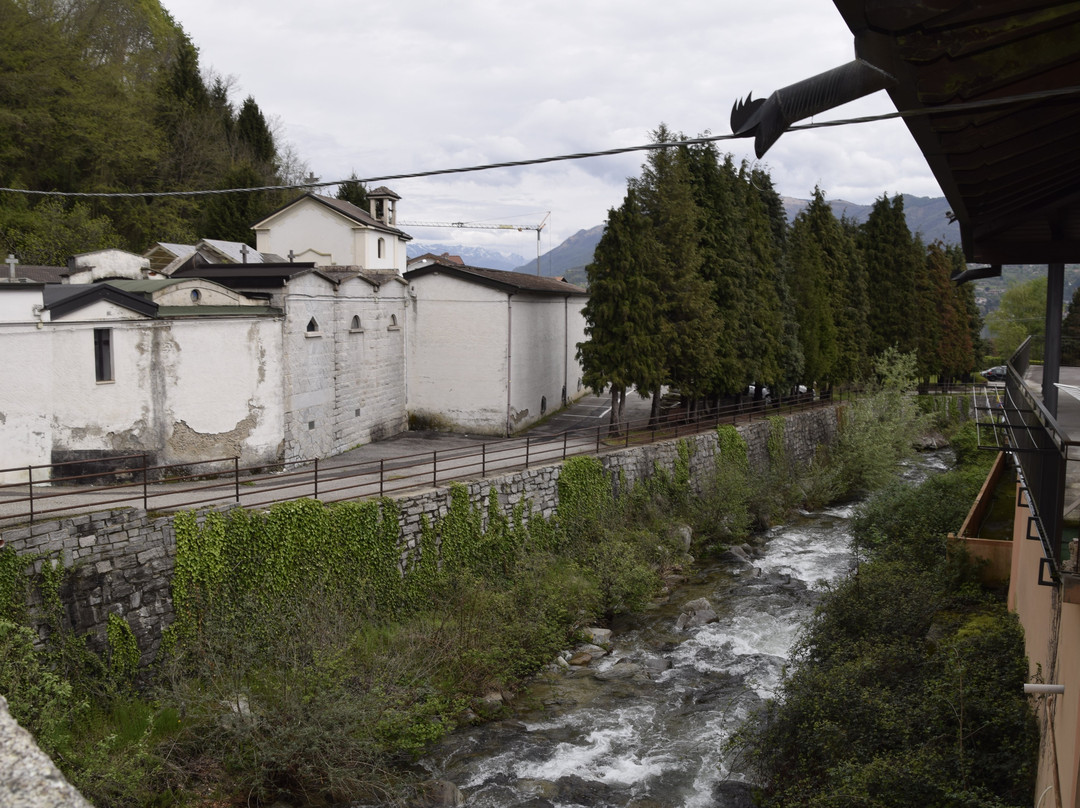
x=424, y=84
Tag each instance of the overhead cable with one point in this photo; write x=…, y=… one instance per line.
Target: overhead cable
x=966, y=106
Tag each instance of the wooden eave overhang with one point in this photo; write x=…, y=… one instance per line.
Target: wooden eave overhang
x=1009, y=162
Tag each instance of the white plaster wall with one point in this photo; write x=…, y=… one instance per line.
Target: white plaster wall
x=210, y=294
x=370, y=364
x=457, y=354
x=312, y=231
x=17, y=302
x=182, y=390
x=538, y=354
x=25, y=400
x=225, y=396
x=342, y=388
x=575, y=309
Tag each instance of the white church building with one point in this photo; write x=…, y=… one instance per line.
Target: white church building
x=277, y=359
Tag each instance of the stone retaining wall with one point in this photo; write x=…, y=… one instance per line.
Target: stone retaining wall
x=123, y=560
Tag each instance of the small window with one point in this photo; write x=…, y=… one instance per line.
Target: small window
x=313, y=326
x=393, y=323
x=196, y=295
x=103, y=364
x=382, y=247
x=355, y=324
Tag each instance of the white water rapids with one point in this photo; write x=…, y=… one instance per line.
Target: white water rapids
x=658, y=740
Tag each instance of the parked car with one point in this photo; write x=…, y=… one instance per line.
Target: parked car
x=994, y=374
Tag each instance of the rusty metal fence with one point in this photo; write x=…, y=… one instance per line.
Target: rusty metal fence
x=46, y=492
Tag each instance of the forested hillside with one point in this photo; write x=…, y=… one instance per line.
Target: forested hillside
x=109, y=96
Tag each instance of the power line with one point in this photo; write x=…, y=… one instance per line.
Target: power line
x=966, y=106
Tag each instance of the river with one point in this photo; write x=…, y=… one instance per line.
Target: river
x=646, y=725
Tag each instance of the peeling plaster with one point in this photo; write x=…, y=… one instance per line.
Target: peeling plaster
x=186, y=442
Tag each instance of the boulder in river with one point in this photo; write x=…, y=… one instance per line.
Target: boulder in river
x=697, y=612
x=438, y=794
x=597, y=636
x=733, y=794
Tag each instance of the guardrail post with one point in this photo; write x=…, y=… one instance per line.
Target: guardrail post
x=627, y=443
x=381, y=475
x=483, y=459
x=30, y=488
x=316, y=478
x=564, y=434
x=435, y=469
x=528, y=438
x=144, y=492
x=236, y=476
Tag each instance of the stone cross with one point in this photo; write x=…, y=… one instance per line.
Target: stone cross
x=244, y=252
x=11, y=262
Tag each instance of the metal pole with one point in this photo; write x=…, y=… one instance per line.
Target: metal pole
x=316, y=478
x=381, y=463
x=435, y=469
x=528, y=439
x=30, y=486
x=598, y=440
x=1055, y=295
x=564, y=434
x=236, y=476
x=483, y=459
x=144, y=494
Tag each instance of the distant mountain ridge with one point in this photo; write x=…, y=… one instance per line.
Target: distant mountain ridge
x=473, y=256
x=925, y=215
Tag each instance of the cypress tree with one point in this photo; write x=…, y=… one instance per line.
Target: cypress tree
x=688, y=312
x=893, y=262
x=813, y=276
x=625, y=344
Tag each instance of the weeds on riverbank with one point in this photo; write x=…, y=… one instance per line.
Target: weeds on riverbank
x=305, y=665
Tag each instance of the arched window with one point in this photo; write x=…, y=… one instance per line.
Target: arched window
x=393, y=323
x=382, y=247
x=313, y=326
x=355, y=324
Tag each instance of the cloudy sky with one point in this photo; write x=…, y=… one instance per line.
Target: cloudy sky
x=406, y=86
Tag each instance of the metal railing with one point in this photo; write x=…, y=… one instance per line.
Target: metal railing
x=51, y=491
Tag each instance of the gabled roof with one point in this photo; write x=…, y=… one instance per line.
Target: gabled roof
x=251, y=276
x=61, y=300
x=342, y=208
x=1010, y=170
x=503, y=280
x=38, y=274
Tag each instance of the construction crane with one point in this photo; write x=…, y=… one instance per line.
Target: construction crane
x=479, y=226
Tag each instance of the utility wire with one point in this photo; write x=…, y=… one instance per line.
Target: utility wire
x=966, y=106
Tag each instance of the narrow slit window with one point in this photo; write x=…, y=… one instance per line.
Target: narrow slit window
x=382, y=248
x=103, y=360
x=393, y=322
x=313, y=326
x=355, y=324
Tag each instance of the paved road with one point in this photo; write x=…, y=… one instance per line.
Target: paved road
x=412, y=460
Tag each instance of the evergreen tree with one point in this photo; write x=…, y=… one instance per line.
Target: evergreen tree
x=853, y=333
x=949, y=351
x=1070, y=333
x=354, y=191
x=254, y=136
x=814, y=274
x=688, y=312
x=625, y=344
x=893, y=262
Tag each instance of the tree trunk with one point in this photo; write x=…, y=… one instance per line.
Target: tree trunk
x=654, y=411
x=615, y=419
